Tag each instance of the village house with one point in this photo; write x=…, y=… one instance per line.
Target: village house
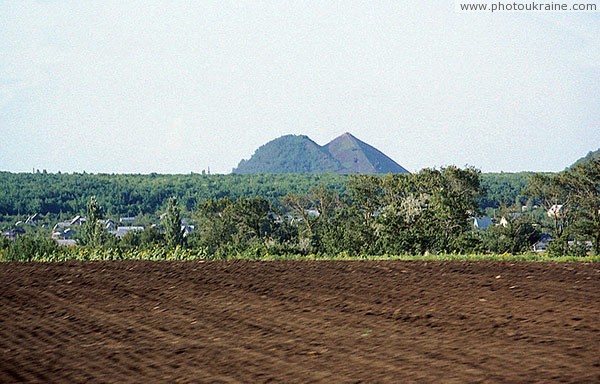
x=504, y=221
x=556, y=210
x=78, y=220
x=66, y=242
x=482, y=222
x=313, y=212
x=33, y=219
x=65, y=230
x=543, y=243
x=186, y=229
x=109, y=225
x=13, y=233
x=64, y=234
x=122, y=231
x=584, y=244
x=61, y=225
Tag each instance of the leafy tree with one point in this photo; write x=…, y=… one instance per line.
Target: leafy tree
x=577, y=192
x=30, y=248
x=150, y=237
x=516, y=236
x=590, y=156
x=215, y=228
x=456, y=200
x=93, y=232
x=549, y=192
x=131, y=239
x=172, y=222
x=581, y=183
x=418, y=213
x=316, y=214
x=367, y=195
x=226, y=225
x=131, y=195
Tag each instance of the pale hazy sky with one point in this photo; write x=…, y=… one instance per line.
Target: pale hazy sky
x=173, y=87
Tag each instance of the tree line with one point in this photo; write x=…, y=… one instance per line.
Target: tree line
x=131, y=195
x=428, y=212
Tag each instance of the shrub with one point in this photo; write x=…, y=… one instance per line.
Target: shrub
x=28, y=248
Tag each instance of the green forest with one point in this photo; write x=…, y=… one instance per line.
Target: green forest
x=23, y=194
x=132, y=195
x=220, y=216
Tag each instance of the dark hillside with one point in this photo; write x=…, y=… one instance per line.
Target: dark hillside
x=590, y=155
x=358, y=157
x=289, y=154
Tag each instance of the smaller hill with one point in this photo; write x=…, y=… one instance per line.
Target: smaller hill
x=590, y=155
x=289, y=154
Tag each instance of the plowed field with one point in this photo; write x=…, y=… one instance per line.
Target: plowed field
x=225, y=322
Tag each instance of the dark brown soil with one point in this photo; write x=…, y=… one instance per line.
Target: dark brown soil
x=225, y=322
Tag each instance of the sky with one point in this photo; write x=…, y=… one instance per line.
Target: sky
x=185, y=86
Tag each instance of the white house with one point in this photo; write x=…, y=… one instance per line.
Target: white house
x=556, y=210
x=313, y=212
x=504, y=221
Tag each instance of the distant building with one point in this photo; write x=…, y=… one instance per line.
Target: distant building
x=109, y=225
x=63, y=233
x=77, y=220
x=543, y=243
x=64, y=230
x=585, y=244
x=504, y=221
x=122, y=231
x=482, y=222
x=556, y=210
x=66, y=242
x=127, y=220
x=61, y=225
x=33, y=219
x=186, y=229
x=313, y=212
x=13, y=233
